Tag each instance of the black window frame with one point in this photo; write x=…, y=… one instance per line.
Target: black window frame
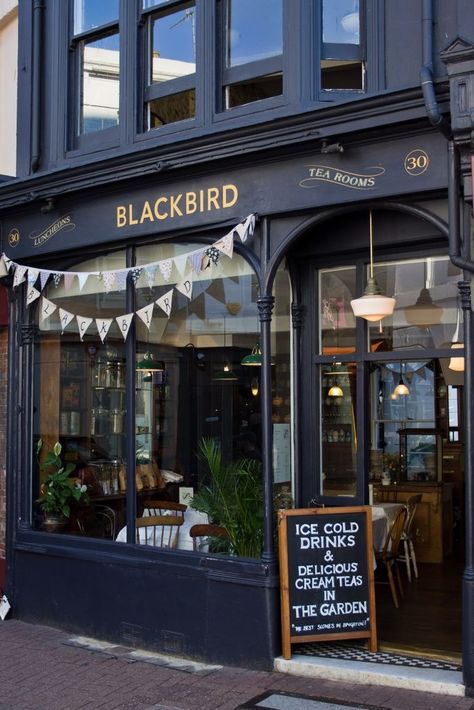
x=343, y=51
x=301, y=78
x=149, y=91
x=106, y=137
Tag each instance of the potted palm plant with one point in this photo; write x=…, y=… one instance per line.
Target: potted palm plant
x=59, y=492
x=232, y=497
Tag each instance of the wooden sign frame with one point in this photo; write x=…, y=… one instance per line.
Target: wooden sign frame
x=285, y=592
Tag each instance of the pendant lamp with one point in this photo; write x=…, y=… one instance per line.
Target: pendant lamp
x=373, y=305
x=335, y=391
x=424, y=312
x=225, y=375
x=456, y=363
x=149, y=364
x=254, y=359
x=401, y=390
x=254, y=386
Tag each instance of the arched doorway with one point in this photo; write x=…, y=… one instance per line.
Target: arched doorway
x=364, y=440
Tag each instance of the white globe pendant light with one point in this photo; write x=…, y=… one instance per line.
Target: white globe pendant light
x=373, y=305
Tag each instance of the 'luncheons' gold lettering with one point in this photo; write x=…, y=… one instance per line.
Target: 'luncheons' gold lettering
x=178, y=205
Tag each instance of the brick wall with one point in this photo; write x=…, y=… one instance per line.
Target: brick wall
x=3, y=432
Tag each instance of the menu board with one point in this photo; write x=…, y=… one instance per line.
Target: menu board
x=326, y=575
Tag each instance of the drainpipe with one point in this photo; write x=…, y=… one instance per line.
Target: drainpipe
x=426, y=73
x=38, y=8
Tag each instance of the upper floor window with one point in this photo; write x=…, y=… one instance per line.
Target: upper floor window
x=96, y=78
x=342, y=65
x=189, y=62
x=170, y=93
x=252, y=38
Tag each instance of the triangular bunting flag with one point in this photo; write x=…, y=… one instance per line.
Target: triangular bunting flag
x=83, y=323
x=165, y=268
x=103, y=326
x=3, y=267
x=32, y=294
x=195, y=259
x=82, y=277
x=181, y=264
x=108, y=277
x=68, y=281
x=136, y=273
x=185, y=287
x=47, y=309
x=165, y=302
x=145, y=314
x=65, y=317
x=20, y=273
x=121, y=279
x=241, y=230
x=124, y=323
x=8, y=263
x=32, y=276
x=150, y=272
x=226, y=245
x=44, y=276
x=213, y=255
x=56, y=278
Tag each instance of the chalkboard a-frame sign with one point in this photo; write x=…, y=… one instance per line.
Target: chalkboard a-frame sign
x=326, y=575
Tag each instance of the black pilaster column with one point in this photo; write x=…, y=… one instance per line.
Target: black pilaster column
x=265, y=307
x=297, y=319
x=468, y=576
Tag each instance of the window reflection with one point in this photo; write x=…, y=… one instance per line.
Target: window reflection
x=337, y=321
x=338, y=429
x=100, y=85
x=341, y=21
x=254, y=30
x=426, y=309
x=90, y=14
x=174, y=45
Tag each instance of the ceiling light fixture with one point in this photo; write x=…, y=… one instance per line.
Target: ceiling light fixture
x=373, y=305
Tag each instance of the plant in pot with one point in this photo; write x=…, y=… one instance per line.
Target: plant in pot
x=59, y=492
x=232, y=497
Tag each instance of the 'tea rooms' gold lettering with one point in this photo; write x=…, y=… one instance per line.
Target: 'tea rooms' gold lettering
x=179, y=205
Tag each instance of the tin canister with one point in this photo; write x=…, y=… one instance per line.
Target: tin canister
x=117, y=421
x=64, y=423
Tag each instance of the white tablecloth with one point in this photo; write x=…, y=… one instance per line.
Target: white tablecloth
x=185, y=542
x=383, y=514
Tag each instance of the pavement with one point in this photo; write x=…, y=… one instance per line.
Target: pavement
x=42, y=668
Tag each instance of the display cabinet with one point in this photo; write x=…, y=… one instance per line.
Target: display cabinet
x=420, y=454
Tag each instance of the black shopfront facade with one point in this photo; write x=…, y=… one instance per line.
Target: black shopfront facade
x=280, y=292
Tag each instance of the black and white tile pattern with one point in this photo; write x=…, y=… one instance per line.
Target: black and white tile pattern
x=353, y=652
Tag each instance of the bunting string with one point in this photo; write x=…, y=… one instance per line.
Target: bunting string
x=200, y=260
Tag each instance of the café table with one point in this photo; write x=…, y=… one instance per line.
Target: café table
x=383, y=515
x=185, y=541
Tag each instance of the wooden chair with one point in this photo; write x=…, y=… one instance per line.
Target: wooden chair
x=202, y=535
x=165, y=507
x=158, y=530
x=389, y=554
x=408, y=556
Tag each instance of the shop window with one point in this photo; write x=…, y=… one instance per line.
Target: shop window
x=252, y=51
x=170, y=93
x=337, y=322
x=338, y=429
x=342, y=47
x=196, y=421
x=426, y=310
x=96, y=66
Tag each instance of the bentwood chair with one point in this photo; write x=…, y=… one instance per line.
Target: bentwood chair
x=408, y=555
x=389, y=553
x=158, y=530
x=165, y=507
x=203, y=535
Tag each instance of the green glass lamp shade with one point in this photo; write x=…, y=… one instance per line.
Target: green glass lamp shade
x=149, y=364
